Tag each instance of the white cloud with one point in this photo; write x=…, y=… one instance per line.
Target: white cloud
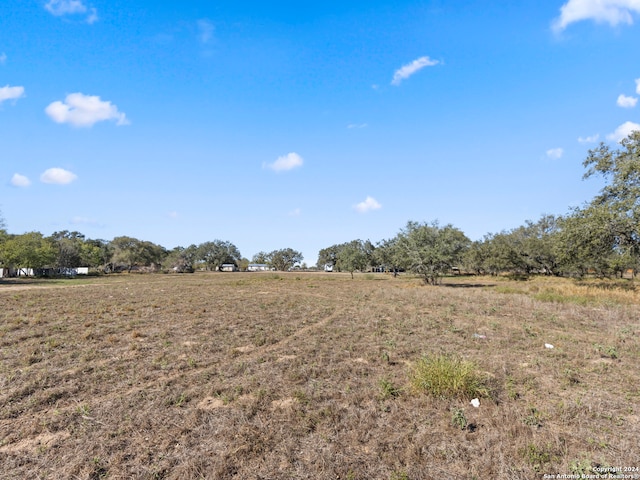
x=626, y=102
x=357, y=125
x=612, y=12
x=60, y=8
x=58, y=176
x=589, y=139
x=84, y=110
x=623, y=131
x=205, y=29
x=638, y=86
x=11, y=93
x=20, y=180
x=92, y=17
x=3, y=58
x=369, y=204
x=65, y=7
x=287, y=162
x=409, y=69
x=77, y=220
x=555, y=153
x=295, y=212
x=172, y=214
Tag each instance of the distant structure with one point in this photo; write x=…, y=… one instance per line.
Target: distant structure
x=228, y=267
x=258, y=267
x=43, y=272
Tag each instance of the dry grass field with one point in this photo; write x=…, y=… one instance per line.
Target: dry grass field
x=313, y=376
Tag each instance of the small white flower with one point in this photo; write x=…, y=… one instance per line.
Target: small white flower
x=475, y=402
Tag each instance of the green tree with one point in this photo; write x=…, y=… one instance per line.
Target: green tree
x=260, y=258
x=70, y=248
x=214, y=254
x=587, y=242
x=617, y=208
x=385, y=254
x=430, y=250
x=182, y=259
x=29, y=250
x=353, y=256
x=284, y=259
x=539, y=244
x=328, y=256
x=129, y=252
x=96, y=253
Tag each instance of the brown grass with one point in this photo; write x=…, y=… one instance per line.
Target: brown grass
x=308, y=376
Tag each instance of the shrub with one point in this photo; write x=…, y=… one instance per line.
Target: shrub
x=448, y=376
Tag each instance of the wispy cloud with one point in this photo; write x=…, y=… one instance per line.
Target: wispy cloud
x=173, y=214
x=79, y=220
x=612, y=12
x=626, y=102
x=296, y=212
x=638, y=86
x=61, y=8
x=555, y=153
x=92, y=17
x=82, y=110
x=623, y=131
x=20, y=181
x=205, y=30
x=589, y=139
x=409, y=69
x=3, y=58
x=367, y=205
x=286, y=162
x=357, y=126
x=58, y=176
x=10, y=93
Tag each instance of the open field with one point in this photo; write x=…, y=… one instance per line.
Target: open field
x=282, y=376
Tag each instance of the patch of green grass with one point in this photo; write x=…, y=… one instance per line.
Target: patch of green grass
x=448, y=376
x=399, y=475
x=388, y=390
x=536, y=457
x=551, y=296
x=458, y=419
x=580, y=466
x=607, y=351
x=534, y=418
x=508, y=289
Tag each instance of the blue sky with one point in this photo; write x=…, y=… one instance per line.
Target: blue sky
x=274, y=124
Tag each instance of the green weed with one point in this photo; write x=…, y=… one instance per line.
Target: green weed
x=448, y=376
x=388, y=390
x=458, y=419
x=536, y=457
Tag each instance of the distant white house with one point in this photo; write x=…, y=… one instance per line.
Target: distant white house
x=328, y=267
x=228, y=267
x=258, y=267
x=32, y=272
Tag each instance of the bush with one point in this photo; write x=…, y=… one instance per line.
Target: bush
x=448, y=376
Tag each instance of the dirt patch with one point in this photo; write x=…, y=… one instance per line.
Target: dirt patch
x=44, y=440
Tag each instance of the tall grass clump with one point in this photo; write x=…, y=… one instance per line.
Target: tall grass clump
x=448, y=376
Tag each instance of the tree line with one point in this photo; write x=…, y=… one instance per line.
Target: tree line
x=64, y=250
x=602, y=237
